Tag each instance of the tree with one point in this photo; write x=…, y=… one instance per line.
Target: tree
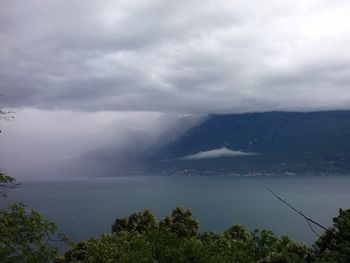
x=176, y=239
x=138, y=222
x=237, y=232
x=335, y=243
x=181, y=223
x=25, y=236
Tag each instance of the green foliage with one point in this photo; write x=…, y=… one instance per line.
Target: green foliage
x=138, y=222
x=181, y=223
x=237, y=232
x=176, y=239
x=335, y=243
x=27, y=236
x=6, y=179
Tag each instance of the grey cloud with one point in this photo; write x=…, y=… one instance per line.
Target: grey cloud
x=61, y=140
x=175, y=57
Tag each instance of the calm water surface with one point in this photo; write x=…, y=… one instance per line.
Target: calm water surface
x=85, y=208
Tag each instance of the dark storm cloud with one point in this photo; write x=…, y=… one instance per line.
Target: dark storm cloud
x=175, y=56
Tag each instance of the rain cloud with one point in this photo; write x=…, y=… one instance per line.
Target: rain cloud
x=175, y=56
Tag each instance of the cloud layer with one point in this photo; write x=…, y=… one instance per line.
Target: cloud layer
x=38, y=143
x=216, y=153
x=175, y=56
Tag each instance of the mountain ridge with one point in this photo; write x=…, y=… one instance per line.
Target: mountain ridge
x=285, y=142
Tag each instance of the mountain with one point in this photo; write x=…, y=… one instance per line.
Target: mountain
x=270, y=142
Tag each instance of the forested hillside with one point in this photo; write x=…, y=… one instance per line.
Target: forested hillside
x=315, y=142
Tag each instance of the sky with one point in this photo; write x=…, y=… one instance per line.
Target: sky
x=86, y=72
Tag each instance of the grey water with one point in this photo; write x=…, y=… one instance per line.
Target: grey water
x=87, y=208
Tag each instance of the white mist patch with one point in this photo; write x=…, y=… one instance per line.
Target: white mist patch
x=216, y=153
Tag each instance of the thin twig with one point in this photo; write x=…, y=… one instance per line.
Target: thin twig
x=312, y=229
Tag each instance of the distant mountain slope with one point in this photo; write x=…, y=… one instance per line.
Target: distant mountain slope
x=281, y=142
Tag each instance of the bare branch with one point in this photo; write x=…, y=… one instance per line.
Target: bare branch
x=308, y=220
x=312, y=229
x=5, y=114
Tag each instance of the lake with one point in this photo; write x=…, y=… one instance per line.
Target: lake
x=87, y=207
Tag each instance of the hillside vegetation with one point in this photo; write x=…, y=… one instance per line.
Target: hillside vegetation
x=141, y=238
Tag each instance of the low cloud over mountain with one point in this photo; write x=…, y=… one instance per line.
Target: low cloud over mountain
x=83, y=74
x=216, y=153
x=271, y=142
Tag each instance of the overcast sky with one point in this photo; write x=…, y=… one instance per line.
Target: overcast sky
x=140, y=59
x=175, y=56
